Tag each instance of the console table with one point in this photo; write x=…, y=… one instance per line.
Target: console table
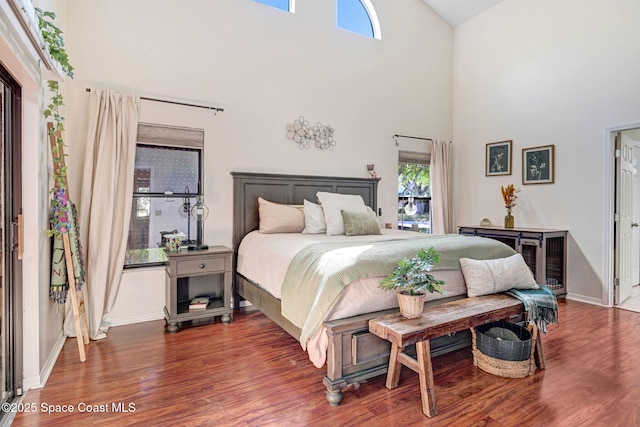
x=544, y=250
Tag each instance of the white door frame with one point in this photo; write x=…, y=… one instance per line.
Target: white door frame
x=609, y=209
x=635, y=245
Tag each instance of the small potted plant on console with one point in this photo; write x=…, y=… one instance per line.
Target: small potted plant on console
x=411, y=280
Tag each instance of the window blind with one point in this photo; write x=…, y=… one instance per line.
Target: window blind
x=172, y=136
x=414, y=157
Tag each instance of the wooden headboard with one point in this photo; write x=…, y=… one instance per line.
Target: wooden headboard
x=288, y=189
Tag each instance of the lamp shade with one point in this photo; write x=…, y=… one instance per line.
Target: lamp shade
x=199, y=211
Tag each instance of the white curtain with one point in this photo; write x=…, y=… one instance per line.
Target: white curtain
x=440, y=170
x=105, y=200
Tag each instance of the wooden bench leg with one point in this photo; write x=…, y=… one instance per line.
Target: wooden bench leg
x=427, y=385
x=393, y=372
x=539, y=353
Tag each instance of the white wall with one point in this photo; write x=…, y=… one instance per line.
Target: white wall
x=141, y=296
x=265, y=67
x=547, y=72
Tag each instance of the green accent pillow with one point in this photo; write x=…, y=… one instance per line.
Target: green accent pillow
x=360, y=223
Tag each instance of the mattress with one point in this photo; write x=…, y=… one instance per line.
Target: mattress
x=264, y=259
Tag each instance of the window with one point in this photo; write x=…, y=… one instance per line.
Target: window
x=286, y=5
x=166, y=182
x=414, y=192
x=358, y=16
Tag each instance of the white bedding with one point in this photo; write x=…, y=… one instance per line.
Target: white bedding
x=265, y=258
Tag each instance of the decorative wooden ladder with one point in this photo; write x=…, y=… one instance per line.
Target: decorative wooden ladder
x=77, y=299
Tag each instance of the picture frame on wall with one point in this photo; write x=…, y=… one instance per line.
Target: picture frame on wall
x=538, y=165
x=498, y=158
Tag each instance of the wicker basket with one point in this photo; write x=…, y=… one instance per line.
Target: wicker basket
x=502, y=367
x=504, y=340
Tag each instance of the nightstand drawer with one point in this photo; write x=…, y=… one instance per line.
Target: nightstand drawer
x=200, y=266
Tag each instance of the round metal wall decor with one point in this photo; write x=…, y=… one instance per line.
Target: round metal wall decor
x=318, y=135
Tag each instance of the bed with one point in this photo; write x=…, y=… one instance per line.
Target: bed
x=338, y=337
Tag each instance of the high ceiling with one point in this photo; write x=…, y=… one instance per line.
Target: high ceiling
x=455, y=12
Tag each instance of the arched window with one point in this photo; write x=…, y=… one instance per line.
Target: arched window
x=358, y=16
x=286, y=5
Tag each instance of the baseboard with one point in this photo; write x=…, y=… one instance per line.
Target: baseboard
x=40, y=381
x=121, y=321
x=582, y=298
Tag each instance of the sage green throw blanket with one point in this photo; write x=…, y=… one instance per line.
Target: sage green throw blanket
x=319, y=272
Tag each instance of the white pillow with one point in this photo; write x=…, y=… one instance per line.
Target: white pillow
x=333, y=203
x=313, y=219
x=279, y=218
x=490, y=276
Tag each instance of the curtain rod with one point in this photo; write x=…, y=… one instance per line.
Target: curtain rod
x=396, y=136
x=412, y=137
x=207, y=107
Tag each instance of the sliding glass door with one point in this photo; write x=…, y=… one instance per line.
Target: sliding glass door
x=11, y=245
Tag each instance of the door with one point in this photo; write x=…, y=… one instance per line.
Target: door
x=624, y=219
x=635, y=238
x=10, y=235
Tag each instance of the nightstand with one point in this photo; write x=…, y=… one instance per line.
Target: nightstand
x=192, y=274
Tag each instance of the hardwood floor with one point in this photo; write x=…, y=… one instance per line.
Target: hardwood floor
x=250, y=373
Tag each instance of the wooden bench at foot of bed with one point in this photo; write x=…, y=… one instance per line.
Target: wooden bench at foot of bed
x=355, y=354
x=436, y=321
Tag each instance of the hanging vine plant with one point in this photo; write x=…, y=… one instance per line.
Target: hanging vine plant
x=54, y=43
x=53, y=40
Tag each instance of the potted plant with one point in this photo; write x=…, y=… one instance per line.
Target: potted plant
x=411, y=280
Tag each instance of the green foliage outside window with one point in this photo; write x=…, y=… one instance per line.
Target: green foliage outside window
x=414, y=178
x=414, y=187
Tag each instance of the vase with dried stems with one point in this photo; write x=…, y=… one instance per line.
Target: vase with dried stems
x=509, y=195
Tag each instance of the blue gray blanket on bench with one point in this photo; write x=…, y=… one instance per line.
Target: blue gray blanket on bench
x=541, y=305
x=318, y=273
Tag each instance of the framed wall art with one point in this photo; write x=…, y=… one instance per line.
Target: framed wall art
x=498, y=158
x=538, y=165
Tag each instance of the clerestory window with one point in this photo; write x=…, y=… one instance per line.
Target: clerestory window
x=286, y=5
x=358, y=16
